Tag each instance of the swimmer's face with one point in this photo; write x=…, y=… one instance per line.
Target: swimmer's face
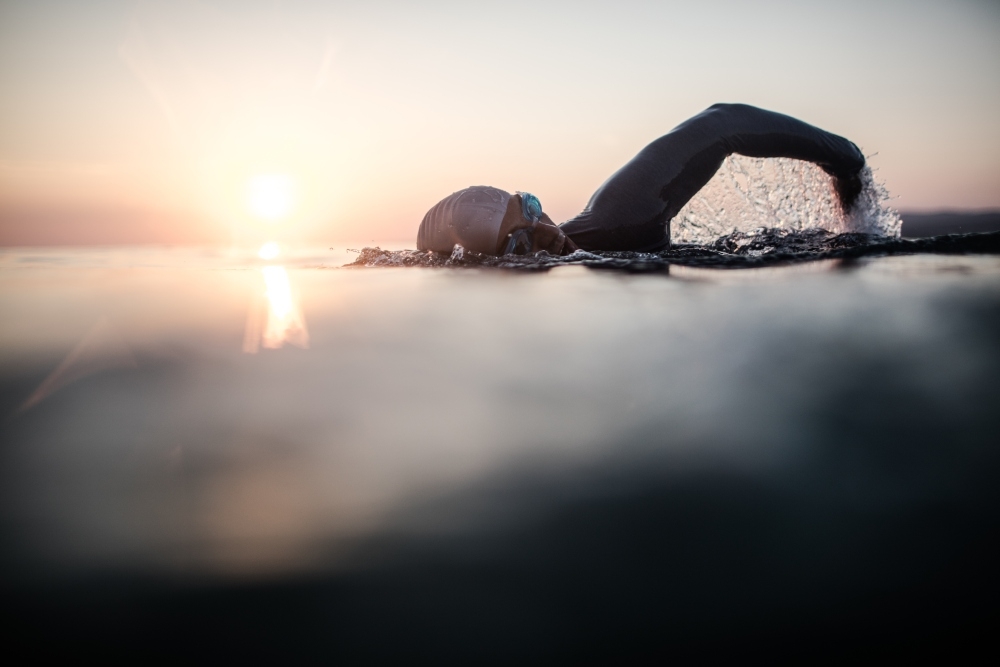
x=547, y=235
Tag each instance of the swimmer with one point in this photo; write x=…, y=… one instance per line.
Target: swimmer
x=633, y=209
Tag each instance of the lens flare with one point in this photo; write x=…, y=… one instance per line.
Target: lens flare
x=271, y=197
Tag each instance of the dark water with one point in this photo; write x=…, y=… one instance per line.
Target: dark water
x=793, y=462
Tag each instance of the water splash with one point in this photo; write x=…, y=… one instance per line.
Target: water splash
x=747, y=194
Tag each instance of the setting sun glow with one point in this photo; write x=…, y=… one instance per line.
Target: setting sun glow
x=269, y=251
x=271, y=196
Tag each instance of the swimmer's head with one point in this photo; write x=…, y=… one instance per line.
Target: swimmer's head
x=491, y=221
x=471, y=218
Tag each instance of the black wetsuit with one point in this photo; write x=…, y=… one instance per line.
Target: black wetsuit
x=633, y=209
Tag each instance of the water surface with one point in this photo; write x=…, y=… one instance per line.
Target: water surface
x=433, y=460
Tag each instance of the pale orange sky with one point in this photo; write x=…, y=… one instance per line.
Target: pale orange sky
x=130, y=122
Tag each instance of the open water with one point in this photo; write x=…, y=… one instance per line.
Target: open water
x=619, y=455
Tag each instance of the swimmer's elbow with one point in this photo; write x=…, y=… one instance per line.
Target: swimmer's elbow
x=729, y=115
x=730, y=108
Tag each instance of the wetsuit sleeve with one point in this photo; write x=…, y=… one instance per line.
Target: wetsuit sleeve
x=633, y=208
x=754, y=132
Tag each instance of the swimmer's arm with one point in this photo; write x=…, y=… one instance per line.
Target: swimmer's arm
x=754, y=132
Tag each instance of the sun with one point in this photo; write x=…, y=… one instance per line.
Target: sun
x=271, y=196
x=269, y=251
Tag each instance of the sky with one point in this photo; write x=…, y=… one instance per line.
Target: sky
x=333, y=122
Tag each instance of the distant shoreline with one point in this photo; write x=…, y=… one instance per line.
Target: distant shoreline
x=919, y=225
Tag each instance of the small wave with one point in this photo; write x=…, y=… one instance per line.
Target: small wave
x=736, y=250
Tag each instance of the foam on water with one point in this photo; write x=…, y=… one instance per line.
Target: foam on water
x=736, y=250
x=747, y=194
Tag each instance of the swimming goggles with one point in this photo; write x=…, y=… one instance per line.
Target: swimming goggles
x=531, y=208
x=520, y=242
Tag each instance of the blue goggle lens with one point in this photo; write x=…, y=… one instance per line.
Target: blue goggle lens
x=518, y=243
x=531, y=208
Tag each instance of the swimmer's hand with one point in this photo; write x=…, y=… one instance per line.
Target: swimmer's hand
x=848, y=188
x=550, y=238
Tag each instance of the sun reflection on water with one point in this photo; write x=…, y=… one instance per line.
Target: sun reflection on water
x=277, y=319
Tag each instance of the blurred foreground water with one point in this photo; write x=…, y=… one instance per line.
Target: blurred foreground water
x=204, y=456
